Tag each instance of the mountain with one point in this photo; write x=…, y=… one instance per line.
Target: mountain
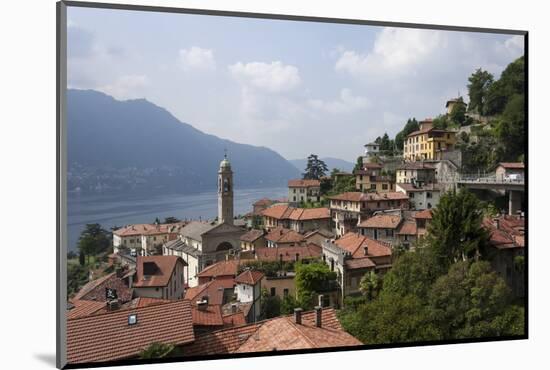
x=331, y=163
x=134, y=145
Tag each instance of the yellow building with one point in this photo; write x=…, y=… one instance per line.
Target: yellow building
x=370, y=179
x=428, y=143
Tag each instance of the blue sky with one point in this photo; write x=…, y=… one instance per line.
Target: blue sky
x=295, y=87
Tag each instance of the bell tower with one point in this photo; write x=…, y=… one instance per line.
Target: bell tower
x=225, y=192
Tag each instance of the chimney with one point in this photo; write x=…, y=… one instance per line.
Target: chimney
x=233, y=308
x=320, y=300
x=318, y=315
x=113, y=305
x=298, y=315
x=366, y=250
x=202, y=305
x=496, y=223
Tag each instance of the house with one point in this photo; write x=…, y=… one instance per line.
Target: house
x=507, y=250
x=216, y=292
x=369, y=179
x=452, y=103
x=425, y=196
x=298, y=219
x=220, y=270
x=302, y=253
x=415, y=173
x=371, y=150
x=304, y=191
x=116, y=283
x=352, y=256
x=422, y=219
x=382, y=227
x=319, y=328
x=253, y=239
x=428, y=143
x=83, y=308
x=123, y=334
x=281, y=237
x=349, y=209
x=510, y=171
x=159, y=277
x=248, y=289
x=145, y=237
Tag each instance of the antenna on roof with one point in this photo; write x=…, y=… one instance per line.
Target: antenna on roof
x=225, y=153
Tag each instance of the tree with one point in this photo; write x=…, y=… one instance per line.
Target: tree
x=458, y=113
x=315, y=168
x=510, y=129
x=480, y=82
x=270, y=305
x=411, y=126
x=171, y=220
x=81, y=259
x=157, y=350
x=312, y=278
x=510, y=83
x=288, y=304
x=471, y=300
x=93, y=240
x=358, y=164
x=441, y=122
x=77, y=276
x=455, y=232
x=370, y=285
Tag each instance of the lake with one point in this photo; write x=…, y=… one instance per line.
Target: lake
x=120, y=210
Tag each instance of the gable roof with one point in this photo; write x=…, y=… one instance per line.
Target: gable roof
x=288, y=254
x=280, y=333
x=222, y=268
x=355, y=244
x=299, y=183
x=95, y=290
x=284, y=211
x=165, y=268
x=249, y=277
x=252, y=235
x=211, y=316
x=195, y=229
x=383, y=221
x=83, y=308
x=407, y=228
x=512, y=165
x=509, y=234
x=282, y=235
x=425, y=214
x=108, y=337
x=213, y=289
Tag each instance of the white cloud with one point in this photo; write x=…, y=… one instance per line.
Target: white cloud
x=197, y=58
x=274, y=77
x=395, y=51
x=347, y=103
x=126, y=87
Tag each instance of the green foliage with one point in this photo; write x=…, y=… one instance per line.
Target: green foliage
x=77, y=276
x=511, y=82
x=370, y=285
x=411, y=126
x=358, y=164
x=269, y=268
x=510, y=129
x=455, y=232
x=157, y=350
x=478, y=88
x=82, y=259
x=315, y=168
x=270, y=305
x=458, y=113
x=288, y=304
x=311, y=279
x=441, y=122
x=93, y=240
x=342, y=184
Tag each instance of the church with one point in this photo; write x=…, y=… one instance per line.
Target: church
x=201, y=244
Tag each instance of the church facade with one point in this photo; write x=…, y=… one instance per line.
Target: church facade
x=202, y=244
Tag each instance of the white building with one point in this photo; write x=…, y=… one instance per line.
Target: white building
x=421, y=197
x=248, y=289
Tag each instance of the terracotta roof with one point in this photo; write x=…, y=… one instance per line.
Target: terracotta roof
x=84, y=308
x=234, y=319
x=355, y=244
x=165, y=266
x=108, y=336
x=407, y=228
x=425, y=214
x=298, y=183
x=249, y=277
x=264, y=202
x=95, y=289
x=138, y=302
x=252, y=235
x=211, y=316
x=327, y=234
x=382, y=222
x=512, y=165
x=283, y=211
x=282, y=235
x=308, y=251
x=280, y=333
x=372, y=165
x=283, y=333
x=359, y=263
x=222, y=268
x=355, y=196
x=509, y=234
x=149, y=229
x=213, y=289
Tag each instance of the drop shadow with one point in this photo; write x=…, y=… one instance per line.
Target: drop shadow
x=47, y=358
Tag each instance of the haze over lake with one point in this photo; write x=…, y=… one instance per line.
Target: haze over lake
x=120, y=210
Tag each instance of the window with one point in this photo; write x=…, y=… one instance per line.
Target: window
x=285, y=292
x=384, y=186
x=428, y=195
x=373, y=186
x=411, y=195
x=389, y=233
x=273, y=290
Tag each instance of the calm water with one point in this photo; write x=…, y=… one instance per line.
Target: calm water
x=109, y=210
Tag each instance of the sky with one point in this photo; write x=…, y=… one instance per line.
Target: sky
x=295, y=87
